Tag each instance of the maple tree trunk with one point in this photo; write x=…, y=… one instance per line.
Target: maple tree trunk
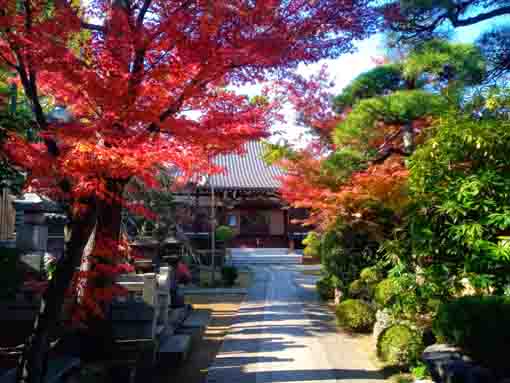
x=32, y=365
x=110, y=211
x=109, y=217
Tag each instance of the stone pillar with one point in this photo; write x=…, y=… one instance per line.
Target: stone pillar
x=32, y=236
x=149, y=250
x=338, y=296
x=292, y=245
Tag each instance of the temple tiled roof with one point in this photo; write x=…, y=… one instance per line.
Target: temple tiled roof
x=247, y=171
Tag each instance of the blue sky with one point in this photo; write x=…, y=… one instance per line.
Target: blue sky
x=345, y=68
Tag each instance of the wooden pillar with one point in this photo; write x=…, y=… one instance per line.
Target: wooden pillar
x=286, y=222
x=286, y=231
x=193, y=211
x=213, y=236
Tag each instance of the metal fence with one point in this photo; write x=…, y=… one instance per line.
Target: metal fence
x=7, y=216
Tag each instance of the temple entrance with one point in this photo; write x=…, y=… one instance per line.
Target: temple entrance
x=255, y=222
x=246, y=199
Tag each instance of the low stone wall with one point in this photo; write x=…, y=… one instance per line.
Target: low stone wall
x=448, y=364
x=16, y=319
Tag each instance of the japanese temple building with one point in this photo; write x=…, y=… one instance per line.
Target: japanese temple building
x=246, y=198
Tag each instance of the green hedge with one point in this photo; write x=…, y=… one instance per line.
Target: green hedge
x=224, y=233
x=357, y=288
x=370, y=275
x=325, y=288
x=356, y=315
x=229, y=275
x=362, y=289
x=480, y=325
x=399, y=345
x=385, y=291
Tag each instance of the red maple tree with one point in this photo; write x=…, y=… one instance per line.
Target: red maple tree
x=147, y=85
x=331, y=193
x=346, y=200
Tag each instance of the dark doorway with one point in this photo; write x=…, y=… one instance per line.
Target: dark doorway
x=255, y=222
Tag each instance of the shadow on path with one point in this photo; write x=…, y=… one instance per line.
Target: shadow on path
x=282, y=333
x=304, y=375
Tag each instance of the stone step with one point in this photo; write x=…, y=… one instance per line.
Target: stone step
x=264, y=263
x=272, y=256
x=268, y=255
x=197, y=318
x=258, y=251
x=266, y=260
x=195, y=325
x=215, y=291
x=177, y=315
x=57, y=368
x=175, y=349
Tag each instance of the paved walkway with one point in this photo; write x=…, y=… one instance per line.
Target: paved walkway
x=282, y=334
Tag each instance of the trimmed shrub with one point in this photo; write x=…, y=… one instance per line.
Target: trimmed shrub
x=385, y=291
x=229, y=275
x=325, y=288
x=312, y=244
x=433, y=305
x=356, y=315
x=224, y=233
x=479, y=325
x=420, y=371
x=370, y=275
x=361, y=290
x=357, y=289
x=399, y=345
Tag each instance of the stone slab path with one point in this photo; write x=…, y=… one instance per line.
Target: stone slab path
x=283, y=334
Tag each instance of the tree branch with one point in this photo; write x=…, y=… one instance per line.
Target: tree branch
x=383, y=151
x=453, y=15
x=387, y=153
x=138, y=62
x=8, y=62
x=28, y=77
x=93, y=27
x=456, y=22
x=173, y=108
x=29, y=82
x=136, y=72
x=176, y=106
x=143, y=11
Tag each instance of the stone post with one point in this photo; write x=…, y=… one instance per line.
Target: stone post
x=32, y=236
x=292, y=246
x=338, y=295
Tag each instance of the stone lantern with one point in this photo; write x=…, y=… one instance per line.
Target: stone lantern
x=40, y=235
